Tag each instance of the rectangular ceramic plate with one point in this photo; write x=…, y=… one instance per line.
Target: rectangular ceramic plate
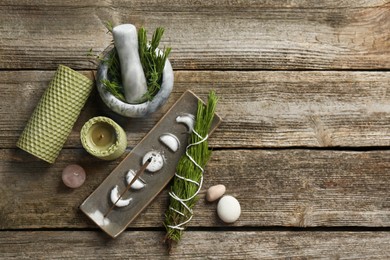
x=99, y=202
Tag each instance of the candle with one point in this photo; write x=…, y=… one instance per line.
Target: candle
x=103, y=135
x=73, y=176
x=53, y=118
x=103, y=138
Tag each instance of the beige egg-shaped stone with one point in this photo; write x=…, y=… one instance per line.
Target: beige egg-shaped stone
x=215, y=192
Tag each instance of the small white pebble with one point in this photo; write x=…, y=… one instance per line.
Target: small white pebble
x=157, y=161
x=138, y=184
x=188, y=120
x=229, y=209
x=171, y=141
x=99, y=218
x=215, y=192
x=115, y=196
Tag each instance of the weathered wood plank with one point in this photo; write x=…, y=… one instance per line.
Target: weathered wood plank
x=259, y=109
x=197, y=245
x=213, y=35
x=300, y=188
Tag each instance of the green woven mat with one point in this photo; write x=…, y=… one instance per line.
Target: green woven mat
x=52, y=120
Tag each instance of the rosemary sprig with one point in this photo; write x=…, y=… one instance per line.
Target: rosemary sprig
x=186, y=168
x=109, y=25
x=152, y=61
x=115, y=89
x=114, y=83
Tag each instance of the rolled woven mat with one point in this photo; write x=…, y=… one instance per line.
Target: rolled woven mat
x=52, y=120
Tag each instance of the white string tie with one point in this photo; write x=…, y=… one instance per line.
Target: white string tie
x=199, y=184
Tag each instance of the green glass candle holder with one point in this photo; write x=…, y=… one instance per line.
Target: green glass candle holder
x=52, y=120
x=103, y=138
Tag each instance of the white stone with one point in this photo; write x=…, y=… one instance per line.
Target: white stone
x=171, y=141
x=157, y=161
x=115, y=196
x=138, y=184
x=133, y=76
x=188, y=120
x=99, y=218
x=215, y=192
x=228, y=209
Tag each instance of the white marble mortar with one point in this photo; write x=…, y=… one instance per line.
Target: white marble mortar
x=134, y=110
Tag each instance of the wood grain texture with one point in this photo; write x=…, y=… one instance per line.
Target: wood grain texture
x=214, y=35
x=291, y=75
x=298, y=188
x=259, y=109
x=197, y=245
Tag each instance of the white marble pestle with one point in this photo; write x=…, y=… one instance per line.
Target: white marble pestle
x=133, y=77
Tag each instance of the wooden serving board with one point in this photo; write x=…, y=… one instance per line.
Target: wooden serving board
x=99, y=202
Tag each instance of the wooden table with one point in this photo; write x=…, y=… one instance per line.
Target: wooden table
x=305, y=97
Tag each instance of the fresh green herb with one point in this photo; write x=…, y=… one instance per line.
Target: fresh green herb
x=115, y=89
x=109, y=25
x=114, y=67
x=114, y=84
x=186, y=168
x=152, y=60
x=90, y=53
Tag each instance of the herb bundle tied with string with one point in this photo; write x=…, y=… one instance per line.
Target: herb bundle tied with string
x=189, y=173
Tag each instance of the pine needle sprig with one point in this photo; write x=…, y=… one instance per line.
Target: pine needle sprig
x=109, y=26
x=186, y=168
x=152, y=60
x=114, y=82
x=115, y=89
